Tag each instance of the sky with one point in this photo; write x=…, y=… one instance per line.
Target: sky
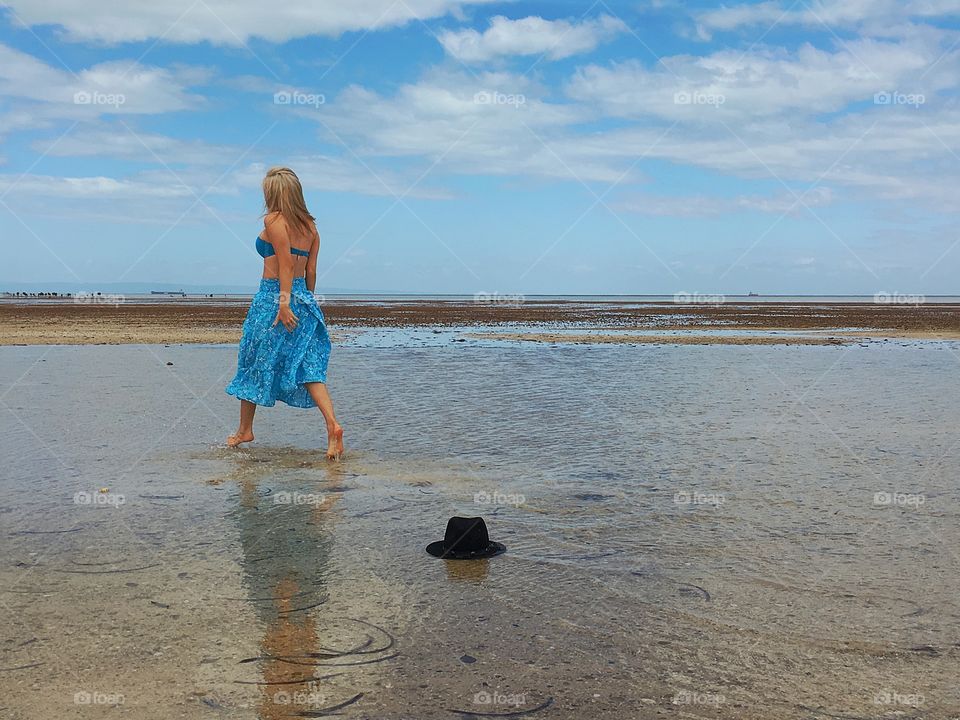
x=649, y=147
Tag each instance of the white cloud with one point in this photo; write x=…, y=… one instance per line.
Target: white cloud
x=805, y=116
x=556, y=39
x=98, y=187
x=885, y=152
x=492, y=125
x=707, y=206
x=224, y=22
x=201, y=174
x=115, y=87
x=321, y=173
x=147, y=198
x=119, y=142
x=729, y=84
x=824, y=15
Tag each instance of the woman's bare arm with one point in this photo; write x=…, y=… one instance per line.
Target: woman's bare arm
x=311, y=270
x=276, y=231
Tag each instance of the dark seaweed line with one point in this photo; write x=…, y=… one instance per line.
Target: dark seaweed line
x=21, y=667
x=391, y=640
x=328, y=654
x=44, y=532
x=105, y=572
x=287, y=661
x=706, y=595
x=331, y=709
x=358, y=650
x=274, y=598
x=287, y=682
x=544, y=705
x=284, y=613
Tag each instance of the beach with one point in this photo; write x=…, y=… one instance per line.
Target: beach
x=346, y=369
x=201, y=320
x=707, y=531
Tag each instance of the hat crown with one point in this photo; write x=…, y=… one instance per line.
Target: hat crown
x=466, y=538
x=465, y=535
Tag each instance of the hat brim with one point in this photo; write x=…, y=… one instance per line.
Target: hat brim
x=439, y=549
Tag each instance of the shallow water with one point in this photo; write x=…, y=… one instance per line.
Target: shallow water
x=694, y=531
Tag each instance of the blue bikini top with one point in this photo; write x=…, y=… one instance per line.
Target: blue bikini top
x=265, y=249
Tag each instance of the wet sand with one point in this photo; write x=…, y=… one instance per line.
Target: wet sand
x=747, y=532
x=599, y=338
x=200, y=321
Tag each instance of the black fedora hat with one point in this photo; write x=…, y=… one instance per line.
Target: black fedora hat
x=465, y=539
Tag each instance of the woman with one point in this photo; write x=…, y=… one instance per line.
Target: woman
x=285, y=347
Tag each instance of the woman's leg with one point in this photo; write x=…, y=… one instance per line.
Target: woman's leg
x=318, y=391
x=245, y=432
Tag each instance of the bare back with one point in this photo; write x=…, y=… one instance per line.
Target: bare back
x=301, y=246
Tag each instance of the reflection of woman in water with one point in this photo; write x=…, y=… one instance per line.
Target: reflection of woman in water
x=285, y=346
x=286, y=547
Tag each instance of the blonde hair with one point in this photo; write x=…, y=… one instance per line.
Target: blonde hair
x=283, y=193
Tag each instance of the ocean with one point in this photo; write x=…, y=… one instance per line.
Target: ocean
x=691, y=531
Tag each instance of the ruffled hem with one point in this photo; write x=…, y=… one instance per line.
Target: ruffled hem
x=274, y=364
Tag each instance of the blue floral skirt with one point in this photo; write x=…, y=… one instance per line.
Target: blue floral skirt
x=274, y=363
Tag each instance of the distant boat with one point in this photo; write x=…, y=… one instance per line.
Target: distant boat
x=752, y=295
x=181, y=293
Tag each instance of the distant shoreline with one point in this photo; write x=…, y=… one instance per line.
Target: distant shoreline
x=216, y=321
x=480, y=297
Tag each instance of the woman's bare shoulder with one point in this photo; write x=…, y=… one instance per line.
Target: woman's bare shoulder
x=275, y=224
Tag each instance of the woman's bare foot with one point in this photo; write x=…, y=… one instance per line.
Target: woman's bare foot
x=335, y=443
x=238, y=437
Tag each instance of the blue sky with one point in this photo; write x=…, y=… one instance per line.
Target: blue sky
x=561, y=147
